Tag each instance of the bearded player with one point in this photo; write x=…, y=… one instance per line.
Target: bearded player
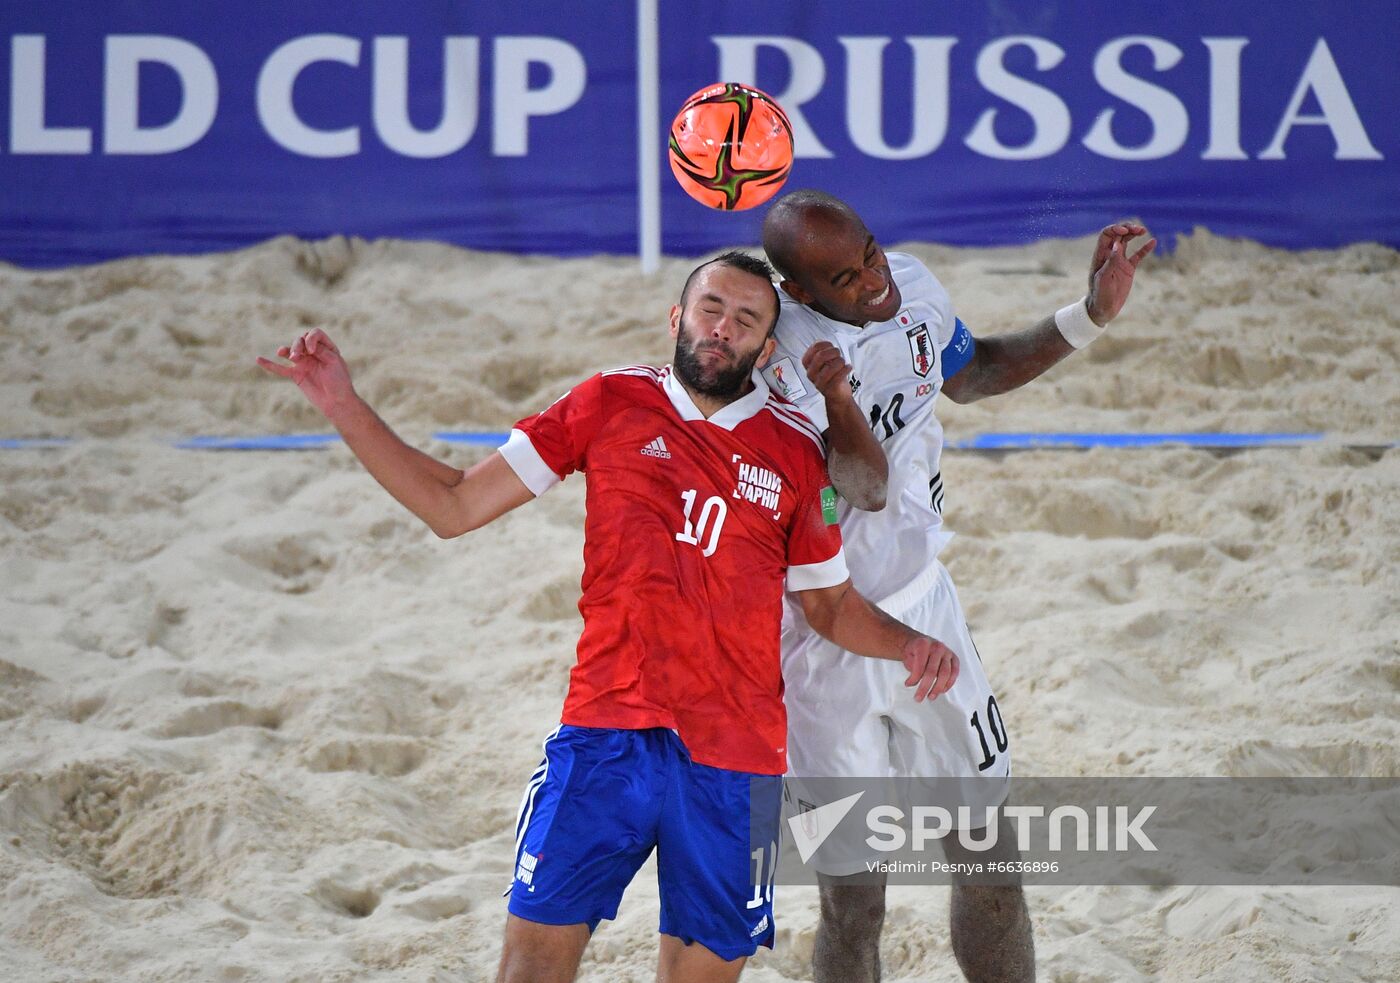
x=706, y=496
x=865, y=343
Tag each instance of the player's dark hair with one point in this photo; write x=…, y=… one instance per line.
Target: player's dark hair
x=740, y=261
x=783, y=224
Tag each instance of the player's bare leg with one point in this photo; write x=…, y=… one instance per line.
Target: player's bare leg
x=991, y=934
x=990, y=927
x=848, y=933
x=681, y=963
x=535, y=953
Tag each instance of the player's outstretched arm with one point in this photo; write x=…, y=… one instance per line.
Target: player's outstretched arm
x=854, y=458
x=843, y=616
x=450, y=501
x=1003, y=362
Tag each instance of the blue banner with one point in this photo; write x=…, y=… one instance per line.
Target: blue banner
x=139, y=126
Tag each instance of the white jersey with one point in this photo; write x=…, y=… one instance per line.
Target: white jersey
x=897, y=372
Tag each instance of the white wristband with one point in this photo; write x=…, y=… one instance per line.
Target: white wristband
x=1074, y=323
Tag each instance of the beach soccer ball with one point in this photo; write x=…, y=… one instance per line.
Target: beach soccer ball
x=731, y=146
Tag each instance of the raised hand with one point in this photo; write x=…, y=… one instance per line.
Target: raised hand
x=1111, y=270
x=827, y=369
x=933, y=668
x=317, y=369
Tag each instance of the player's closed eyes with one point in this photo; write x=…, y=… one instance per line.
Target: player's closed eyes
x=746, y=324
x=871, y=258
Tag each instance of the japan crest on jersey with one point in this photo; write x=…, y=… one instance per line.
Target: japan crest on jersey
x=921, y=348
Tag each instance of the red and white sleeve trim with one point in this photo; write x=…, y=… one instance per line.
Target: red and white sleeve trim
x=526, y=462
x=814, y=576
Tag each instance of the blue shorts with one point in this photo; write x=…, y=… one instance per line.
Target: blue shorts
x=603, y=799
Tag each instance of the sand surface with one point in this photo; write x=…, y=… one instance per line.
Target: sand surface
x=258, y=724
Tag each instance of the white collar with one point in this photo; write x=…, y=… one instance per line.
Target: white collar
x=728, y=417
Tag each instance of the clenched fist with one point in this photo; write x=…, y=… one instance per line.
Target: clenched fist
x=828, y=369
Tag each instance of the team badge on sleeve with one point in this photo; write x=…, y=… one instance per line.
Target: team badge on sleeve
x=782, y=376
x=829, y=505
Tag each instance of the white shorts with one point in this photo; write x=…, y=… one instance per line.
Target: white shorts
x=850, y=716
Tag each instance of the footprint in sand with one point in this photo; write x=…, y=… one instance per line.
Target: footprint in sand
x=386, y=755
x=85, y=809
x=518, y=380
x=16, y=686
x=557, y=601
x=345, y=899
x=297, y=564
x=446, y=898
x=1265, y=759
x=210, y=716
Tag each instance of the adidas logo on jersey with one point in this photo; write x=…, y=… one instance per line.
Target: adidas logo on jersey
x=657, y=448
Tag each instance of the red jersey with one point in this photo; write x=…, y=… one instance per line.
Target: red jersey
x=693, y=526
